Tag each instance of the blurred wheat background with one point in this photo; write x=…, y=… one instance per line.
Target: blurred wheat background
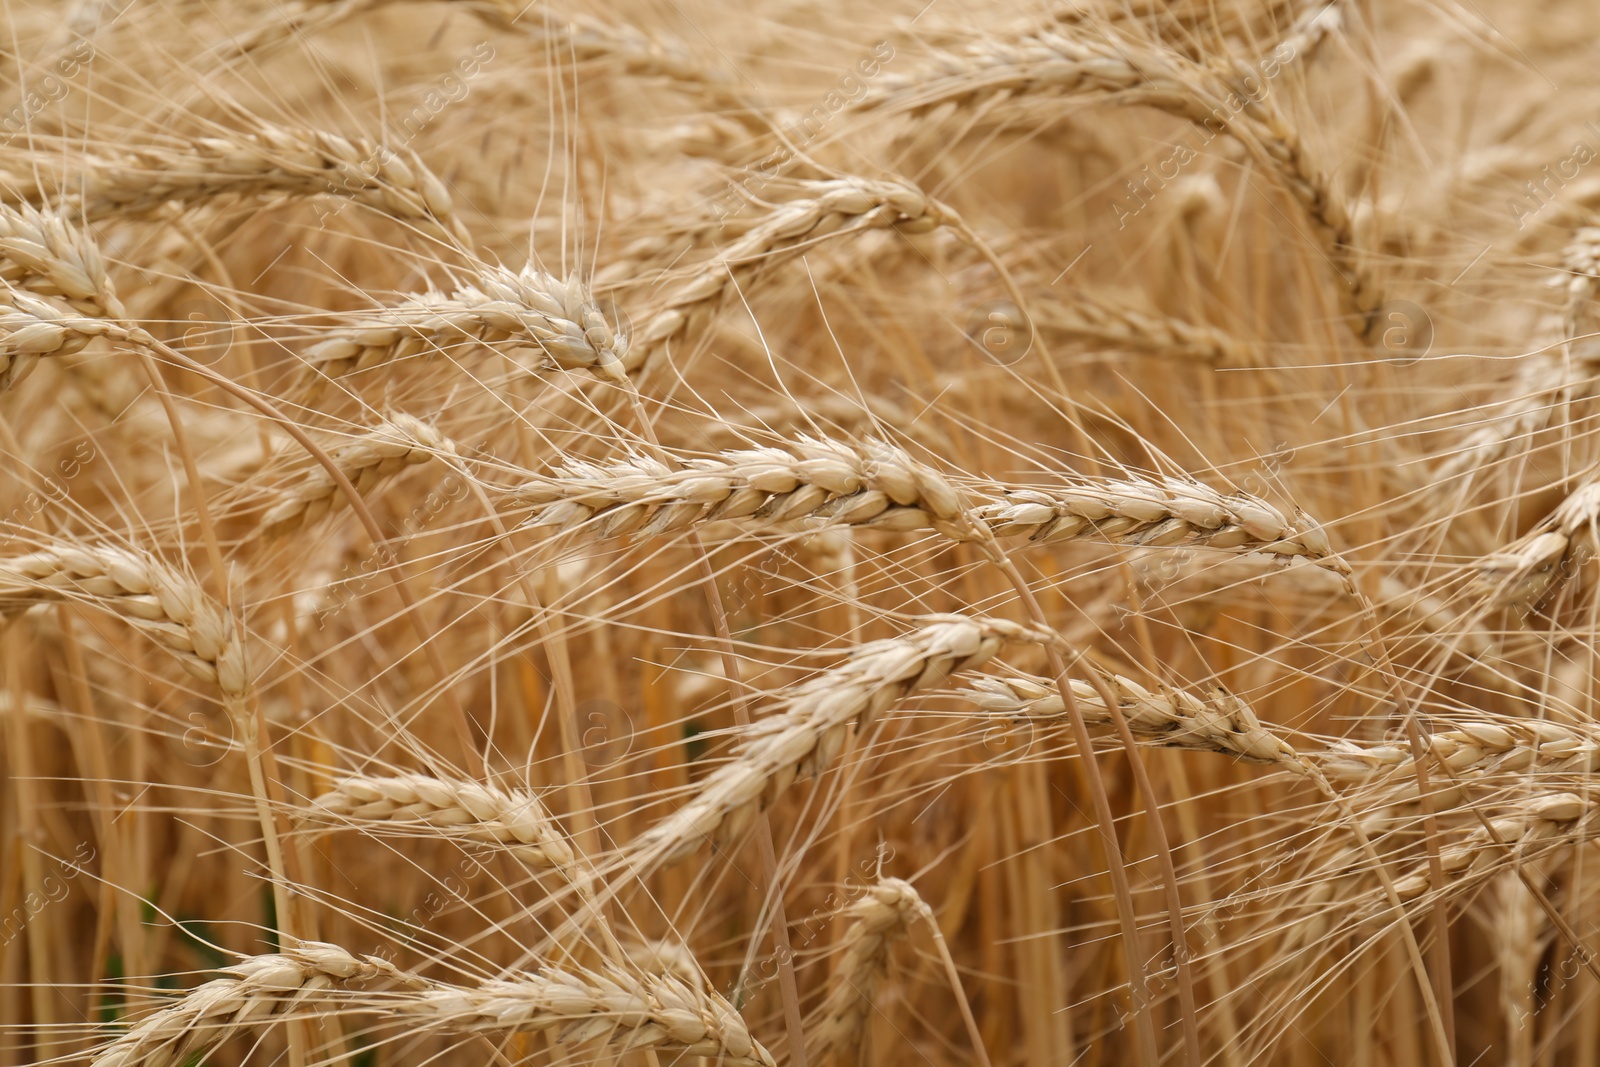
x=799, y=533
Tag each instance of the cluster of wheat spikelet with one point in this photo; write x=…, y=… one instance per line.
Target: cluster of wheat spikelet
x=799, y=534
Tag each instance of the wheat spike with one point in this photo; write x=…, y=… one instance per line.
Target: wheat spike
x=1172, y=718
x=403, y=803
x=814, y=480
x=825, y=209
x=32, y=328
x=155, y=598
x=499, y=307
x=1531, y=826
x=258, y=991
x=41, y=252
x=402, y=441
x=1107, y=63
x=1156, y=514
x=624, y=1009
x=1535, y=565
x=878, y=918
x=263, y=159
x=806, y=736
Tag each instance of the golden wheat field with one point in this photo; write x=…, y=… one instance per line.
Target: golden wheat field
x=799, y=533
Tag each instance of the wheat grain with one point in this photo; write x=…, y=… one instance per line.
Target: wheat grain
x=664, y=956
